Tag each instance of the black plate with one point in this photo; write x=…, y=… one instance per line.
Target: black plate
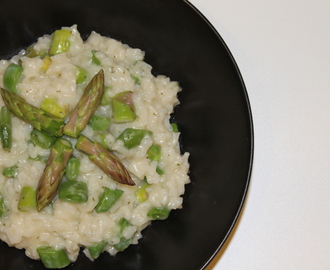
x=214, y=117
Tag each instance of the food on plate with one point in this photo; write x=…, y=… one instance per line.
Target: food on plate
x=89, y=155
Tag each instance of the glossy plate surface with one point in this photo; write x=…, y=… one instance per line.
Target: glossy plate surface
x=214, y=117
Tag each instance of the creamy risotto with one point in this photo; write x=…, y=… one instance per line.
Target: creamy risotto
x=88, y=155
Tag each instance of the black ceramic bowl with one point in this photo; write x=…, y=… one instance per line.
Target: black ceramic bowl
x=214, y=118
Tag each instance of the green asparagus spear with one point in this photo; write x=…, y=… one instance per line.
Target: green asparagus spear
x=42, y=139
x=27, y=200
x=53, y=258
x=132, y=137
x=123, y=110
x=11, y=77
x=73, y=191
x=97, y=249
x=175, y=127
x=31, y=114
x=72, y=168
x=5, y=128
x=10, y=171
x=60, y=42
x=105, y=160
x=53, y=172
x=108, y=199
x=99, y=123
x=158, y=213
x=86, y=106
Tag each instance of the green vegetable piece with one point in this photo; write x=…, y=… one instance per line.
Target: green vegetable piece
x=42, y=159
x=105, y=160
x=60, y=42
x=123, y=224
x=53, y=258
x=86, y=107
x=123, y=244
x=108, y=199
x=12, y=77
x=159, y=170
x=53, y=172
x=3, y=208
x=6, y=128
x=133, y=137
x=95, y=60
x=42, y=139
x=10, y=171
x=81, y=75
x=99, y=123
x=154, y=152
x=136, y=79
x=106, y=99
x=123, y=110
x=50, y=105
x=72, y=168
x=158, y=213
x=73, y=191
x=31, y=52
x=97, y=249
x=141, y=193
x=175, y=127
x=27, y=200
x=32, y=115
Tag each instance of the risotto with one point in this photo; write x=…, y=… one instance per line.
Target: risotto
x=88, y=155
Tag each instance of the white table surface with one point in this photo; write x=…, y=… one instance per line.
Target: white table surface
x=282, y=48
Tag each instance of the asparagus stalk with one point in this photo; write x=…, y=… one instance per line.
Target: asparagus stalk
x=105, y=160
x=96, y=249
x=11, y=77
x=73, y=191
x=27, y=200
x=60, y=42
x=34, y=116
x=123, y=109
x=42, y=139
x=72, y=168
x=53, y=172
x=53, y=258
x=86, y=106
x=5, y=128
x=107, y=199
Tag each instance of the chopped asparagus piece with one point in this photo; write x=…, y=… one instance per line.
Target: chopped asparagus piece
x=154, y=152
x=133, y=137
x=10, y=171
x=53, y=258
x=3, y=207
x=99, y=123
x=175, y=127
x=97, y=249
x=73, y=191
x=50, y=105
x=11, y=77
x=123, y=110
x=106, y=99
x=72, y=168
x=27, y=200
x=81, y=75
x=123, y=224
x=159, y=170
x=46, y=63
x=86, y=106
x=158, y=213
x=123, y=244
x=60, y=42
x=40, y=158
x=53, y=172
x=108, y=199
x=34, y=116
x=95, y=60
x=141, y=193
x=42, y=139
x=5, y=128
x=105, y=160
